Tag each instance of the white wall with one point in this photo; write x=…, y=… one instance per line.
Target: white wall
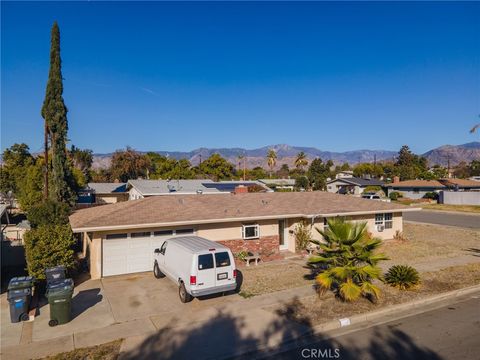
x=459, y=197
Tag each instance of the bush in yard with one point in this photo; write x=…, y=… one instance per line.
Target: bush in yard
x=47, y=213
x=242, y=255
x=395, y=195
x=303, y=235
x=432, y=195
x=402, y=277
x=47, y=246
x=350, y=258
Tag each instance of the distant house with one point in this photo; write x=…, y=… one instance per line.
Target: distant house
x=102, y=193
x=416, y=189
x=352, y=185
x=279, y=184
x=139, y=189
x=344, y=174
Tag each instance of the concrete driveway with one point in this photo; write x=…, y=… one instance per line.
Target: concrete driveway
x=96, y=304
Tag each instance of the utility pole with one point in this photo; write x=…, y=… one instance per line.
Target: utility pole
x=244, y=167
x=448, y=165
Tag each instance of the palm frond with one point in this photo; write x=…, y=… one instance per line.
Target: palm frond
x=368, y=288
x=325, y=280
x=369, y=271
x=318, y=259
x=341, y=272
x=350, y=291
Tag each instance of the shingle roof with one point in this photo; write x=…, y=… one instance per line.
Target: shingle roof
x=418, y=183
x=165, y=210
x=360, y=181
x=106, y=188
x=461, y=182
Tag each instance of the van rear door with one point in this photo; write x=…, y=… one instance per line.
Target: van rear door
x=224, y=268
x=205, y=277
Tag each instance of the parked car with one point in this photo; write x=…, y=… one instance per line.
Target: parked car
x=199, y=266
x=373, y=196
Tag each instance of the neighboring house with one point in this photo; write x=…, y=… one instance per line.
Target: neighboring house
x=344, y=174
x=102, y=193
x=352, y=185
x=279, y=184
x=122, y=237
x=139, y=189
x=474, y=178
x=416, y=189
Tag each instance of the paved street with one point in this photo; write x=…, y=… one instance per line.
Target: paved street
x=450, y=332
x=444, y=218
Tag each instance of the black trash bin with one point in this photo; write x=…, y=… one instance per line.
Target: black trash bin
x=59, y=295
x=21, y=282
x=19, y=300
x=54, y=274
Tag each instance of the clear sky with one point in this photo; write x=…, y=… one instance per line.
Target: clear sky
x=177, y=76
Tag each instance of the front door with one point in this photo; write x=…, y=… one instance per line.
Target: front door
x=283, y=238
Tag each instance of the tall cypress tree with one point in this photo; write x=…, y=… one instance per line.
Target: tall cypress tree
x=54, y=112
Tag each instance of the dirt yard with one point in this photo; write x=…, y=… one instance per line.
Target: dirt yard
x=459, y=208
x=108, y=351
x=431, y=242
x=320, y=309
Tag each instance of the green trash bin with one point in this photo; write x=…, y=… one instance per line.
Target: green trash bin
x=59, y=297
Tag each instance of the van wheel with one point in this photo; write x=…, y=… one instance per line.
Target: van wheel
x=157, y=272
x=185, y=297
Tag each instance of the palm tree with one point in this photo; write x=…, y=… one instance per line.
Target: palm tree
x=271, y=160
x=350, y=260
x=301, y=160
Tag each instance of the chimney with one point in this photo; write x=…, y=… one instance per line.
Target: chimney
x=240, y=189
x=396, y=179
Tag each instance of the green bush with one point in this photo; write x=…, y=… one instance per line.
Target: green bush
x=431, y=195
x=48, y=213
x=402, y=277
x=395, y=195
x=242, y=255
x=47, y=246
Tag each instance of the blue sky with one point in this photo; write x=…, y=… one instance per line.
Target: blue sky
x=177, y=76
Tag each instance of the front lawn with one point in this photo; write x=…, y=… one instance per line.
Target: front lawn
x=316, y=309
x=108, y=351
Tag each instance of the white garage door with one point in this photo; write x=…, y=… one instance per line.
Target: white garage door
x=129, y=254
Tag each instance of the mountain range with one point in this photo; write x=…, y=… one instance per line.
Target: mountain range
x=286, y=154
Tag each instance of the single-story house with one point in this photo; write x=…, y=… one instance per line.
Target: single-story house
x=279, y=184
x=344, y=174
x=139, y=189
x=102, y=193
x=352, y=185
x=121, y=237
x=416, y=189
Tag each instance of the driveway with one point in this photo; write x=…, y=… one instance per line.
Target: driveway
x=96, y=304
x=444, y=218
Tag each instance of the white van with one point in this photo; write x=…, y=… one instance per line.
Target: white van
x=199, y=266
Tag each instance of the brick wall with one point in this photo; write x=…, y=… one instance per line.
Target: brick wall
x=267, y=246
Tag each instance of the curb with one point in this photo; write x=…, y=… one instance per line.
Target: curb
x=356, y=320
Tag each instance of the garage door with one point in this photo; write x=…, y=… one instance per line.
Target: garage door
x=129, y=254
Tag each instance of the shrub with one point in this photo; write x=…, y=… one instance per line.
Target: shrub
x=242, y=255
x=48, y=246
x=303, y=235
x=400, y=236
x=402, y=277
x=48, y=213
x=432, y=195
x=395, y=195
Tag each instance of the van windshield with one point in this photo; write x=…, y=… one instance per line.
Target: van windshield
x=205, y=262
x=222, y=259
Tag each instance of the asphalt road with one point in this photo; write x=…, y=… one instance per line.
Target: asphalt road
x=449, y=332
x=444, y=218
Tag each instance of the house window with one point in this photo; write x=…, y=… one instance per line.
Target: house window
x=140, y=234
x=388, y=221
x=115, y=236
x=384, y=219
x=251, y=231
x=163, y=233
x=184, y=232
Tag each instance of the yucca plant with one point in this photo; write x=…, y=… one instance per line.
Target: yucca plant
x=402, y=277
x=349, y=256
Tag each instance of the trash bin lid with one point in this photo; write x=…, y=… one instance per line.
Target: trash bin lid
x=60, y=288
x=21, y=282
x=18, y=293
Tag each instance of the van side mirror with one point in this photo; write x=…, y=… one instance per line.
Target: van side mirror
x=156, y=251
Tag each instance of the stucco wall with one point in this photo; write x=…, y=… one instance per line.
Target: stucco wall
x=459, y=197
x=233, y=230
x=133, y=194
x=110, y=198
